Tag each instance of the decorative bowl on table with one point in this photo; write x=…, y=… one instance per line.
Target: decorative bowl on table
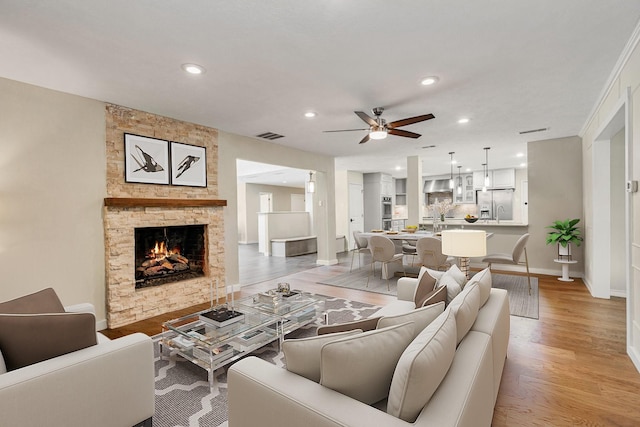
x=471, y=219
x=408, y=230
x=377, y=231
x=392, y=232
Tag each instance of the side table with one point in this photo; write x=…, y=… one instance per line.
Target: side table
x=565, y=269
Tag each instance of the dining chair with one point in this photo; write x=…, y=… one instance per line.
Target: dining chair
x=360, y=245
x=383, y=250
x=430, y=254
x=512, y=258
x=409, y=249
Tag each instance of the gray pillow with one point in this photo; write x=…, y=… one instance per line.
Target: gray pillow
x=465, y=308
x=302, y=356
x=363, y=324
x=483, y=278
x=362, y=366
x=421, y=317
x=30, y=338
x=44, y=301
x=422, y=367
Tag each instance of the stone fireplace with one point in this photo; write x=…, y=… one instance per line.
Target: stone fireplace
x=156, y=208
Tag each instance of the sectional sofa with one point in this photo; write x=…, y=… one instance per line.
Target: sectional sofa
x=447, y=373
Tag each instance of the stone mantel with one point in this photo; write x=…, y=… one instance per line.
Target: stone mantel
x=133, y=202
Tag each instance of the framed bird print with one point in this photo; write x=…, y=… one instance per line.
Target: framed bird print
x=188, y=165
x=146, y=160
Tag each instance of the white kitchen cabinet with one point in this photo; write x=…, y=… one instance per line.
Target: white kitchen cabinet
x=504, y=178
x=401, y=191
x=478, y=179
x=498, y=178
x=468, y=194
x=386, y=185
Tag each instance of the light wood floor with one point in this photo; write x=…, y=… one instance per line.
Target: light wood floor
x=569, y=368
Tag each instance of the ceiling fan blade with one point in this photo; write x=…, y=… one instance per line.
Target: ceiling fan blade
x=364, y=116
x=406, y=133
x=343, y=130
x=365, y=139
x=410, y=120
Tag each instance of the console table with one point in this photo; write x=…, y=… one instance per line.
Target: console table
x=565, y=269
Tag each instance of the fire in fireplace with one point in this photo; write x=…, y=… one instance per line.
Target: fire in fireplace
x=169, y=254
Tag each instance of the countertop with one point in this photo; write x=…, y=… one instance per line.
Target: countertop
x=480, y=223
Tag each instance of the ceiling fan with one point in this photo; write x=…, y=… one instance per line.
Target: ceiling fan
x=379, y=128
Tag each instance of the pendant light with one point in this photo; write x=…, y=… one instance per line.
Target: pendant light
x=451, y=170
x=312, y=183
x=484, y=170
x=487, y=181
x=459, y=181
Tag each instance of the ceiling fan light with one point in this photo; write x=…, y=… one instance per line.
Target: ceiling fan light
x=427, y=81
x=378, y=134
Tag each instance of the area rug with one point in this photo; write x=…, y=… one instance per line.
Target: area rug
x=183, y=397
x=520, y=302
x=357, y=279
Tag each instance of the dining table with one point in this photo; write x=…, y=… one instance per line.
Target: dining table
x=397, y=237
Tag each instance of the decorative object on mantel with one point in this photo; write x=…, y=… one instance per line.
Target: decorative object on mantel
x=564, y=234
x=134, y=202
x=146, y=160
x=188, y=165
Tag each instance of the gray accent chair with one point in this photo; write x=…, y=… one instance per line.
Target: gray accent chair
x=513, y=258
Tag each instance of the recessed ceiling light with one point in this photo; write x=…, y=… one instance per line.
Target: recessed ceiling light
x=398, y=168
x=523, y=165
x=427, y=81
x=193, y=68
x=310, y=114
x=463, y=120
x=520, y=155
x=468, y=170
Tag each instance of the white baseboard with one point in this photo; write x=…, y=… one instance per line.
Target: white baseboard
x=620, y=294
x=634, y=356
x=101, y=325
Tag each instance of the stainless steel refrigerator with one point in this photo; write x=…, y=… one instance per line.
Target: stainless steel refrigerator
x=492, y=203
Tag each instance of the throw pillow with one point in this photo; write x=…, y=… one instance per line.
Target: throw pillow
x=421, y=317
x=436, y=296
x=361, y=366
x=302, y=356
x=457, y=275
x=426, y=284
x=364, y=325
x=452, y=286
x=465, y=308
x=483, y=278
x=422, y=367
x=30, y=338
x=44, y=301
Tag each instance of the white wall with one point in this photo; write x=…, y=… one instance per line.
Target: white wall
x=52, y=187
x=281, y=199
x=624, y=80
x=232, y=147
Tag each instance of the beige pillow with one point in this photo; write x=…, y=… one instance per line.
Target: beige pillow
x=426, y=284
x=422, y=367
x=436, y=296
x=362, y=366
x=44, y=301
x=421, y=317
x=3, y=366
x=483, y=278
x=452, y=286
x=465, y=307
x=30, y=338
x=364, y=325
x=302, y=356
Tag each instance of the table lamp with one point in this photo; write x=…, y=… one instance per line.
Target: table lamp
x=464, y=244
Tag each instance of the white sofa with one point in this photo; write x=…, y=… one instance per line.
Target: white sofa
x=104, y=385
x=263, y=394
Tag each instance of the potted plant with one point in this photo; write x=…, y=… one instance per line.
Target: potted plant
x=563, y=234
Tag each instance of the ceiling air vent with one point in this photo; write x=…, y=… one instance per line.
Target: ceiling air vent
x=270, y=136
x=533, y=131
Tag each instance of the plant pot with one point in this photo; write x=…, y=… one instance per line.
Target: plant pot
x=564, y=253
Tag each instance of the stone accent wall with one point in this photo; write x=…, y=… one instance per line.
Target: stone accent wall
x=125, y=304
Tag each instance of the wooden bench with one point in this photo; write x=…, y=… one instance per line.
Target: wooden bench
x=294, y=246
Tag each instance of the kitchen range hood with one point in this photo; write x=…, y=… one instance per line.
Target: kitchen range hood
x=437, y=186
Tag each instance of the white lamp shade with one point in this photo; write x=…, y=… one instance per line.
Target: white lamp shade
x=464, y=243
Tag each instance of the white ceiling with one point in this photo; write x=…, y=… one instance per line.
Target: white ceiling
x=508, y=65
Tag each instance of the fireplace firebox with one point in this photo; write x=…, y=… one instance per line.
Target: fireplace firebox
x=169, y=254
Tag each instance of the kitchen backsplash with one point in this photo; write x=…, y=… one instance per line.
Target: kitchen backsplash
x=458, y=211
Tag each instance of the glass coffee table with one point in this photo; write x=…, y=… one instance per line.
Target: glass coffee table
x=264, y=318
